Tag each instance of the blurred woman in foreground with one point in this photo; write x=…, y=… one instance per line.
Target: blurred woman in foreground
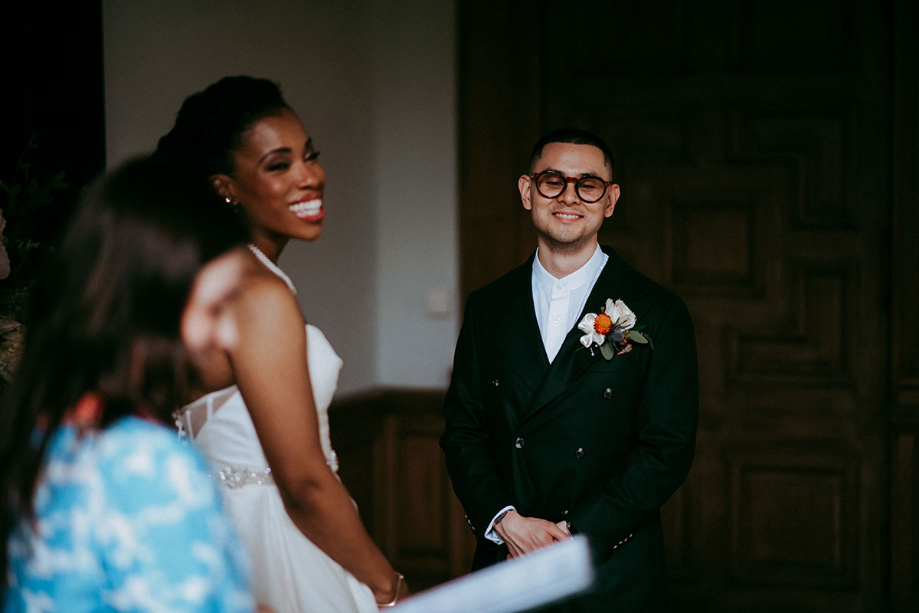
x=101, y=506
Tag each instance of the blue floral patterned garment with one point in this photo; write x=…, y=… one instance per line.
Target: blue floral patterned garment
x=126, y=520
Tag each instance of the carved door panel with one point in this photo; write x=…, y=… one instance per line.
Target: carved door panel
x=752, y=148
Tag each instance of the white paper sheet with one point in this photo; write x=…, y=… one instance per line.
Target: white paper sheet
x=536, y=579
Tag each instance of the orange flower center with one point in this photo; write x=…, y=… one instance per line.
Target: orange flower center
x=603, y=324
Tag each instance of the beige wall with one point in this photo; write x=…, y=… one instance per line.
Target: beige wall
x=374, y=82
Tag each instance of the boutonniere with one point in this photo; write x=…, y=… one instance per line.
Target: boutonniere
x=613, y=330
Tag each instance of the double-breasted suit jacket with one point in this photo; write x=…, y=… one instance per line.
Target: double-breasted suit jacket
x=601, y=444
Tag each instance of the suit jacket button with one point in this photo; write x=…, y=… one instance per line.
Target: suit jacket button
x=495, y=383
x=579, y=454
x=565, y=513
x=608, y=393
x=518, y=443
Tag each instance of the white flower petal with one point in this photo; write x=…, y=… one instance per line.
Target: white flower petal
x=587, y=324
x=614, y=313
x=626, y=316
x=592, y=337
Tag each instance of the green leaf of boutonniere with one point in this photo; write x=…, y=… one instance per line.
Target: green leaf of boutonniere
x=638, y=337
x=607, y=351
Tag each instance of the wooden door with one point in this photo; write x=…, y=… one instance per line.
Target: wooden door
x=752, y=142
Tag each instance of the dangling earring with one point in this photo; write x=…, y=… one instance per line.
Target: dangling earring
x=232, y=203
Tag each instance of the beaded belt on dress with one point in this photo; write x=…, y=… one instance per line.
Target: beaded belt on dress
x=238, y=476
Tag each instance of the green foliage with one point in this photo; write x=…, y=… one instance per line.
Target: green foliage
x=638, y=337
x=24, y=201
x=607, y=351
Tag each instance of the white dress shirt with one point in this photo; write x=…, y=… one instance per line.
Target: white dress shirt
x=558, y=303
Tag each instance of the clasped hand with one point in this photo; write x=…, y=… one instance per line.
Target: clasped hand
x=526, y=534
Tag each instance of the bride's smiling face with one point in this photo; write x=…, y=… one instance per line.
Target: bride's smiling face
x=277, y=179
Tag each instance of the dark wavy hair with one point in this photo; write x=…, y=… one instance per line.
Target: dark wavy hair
x=105, y=317
x=211, y=123
x=575, y=136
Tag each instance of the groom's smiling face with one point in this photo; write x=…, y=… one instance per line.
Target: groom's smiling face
x=566, y=222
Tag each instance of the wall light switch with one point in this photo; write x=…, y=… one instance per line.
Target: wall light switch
x=439, y=302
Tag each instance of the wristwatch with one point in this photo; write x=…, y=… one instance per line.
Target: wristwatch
x=499, y=517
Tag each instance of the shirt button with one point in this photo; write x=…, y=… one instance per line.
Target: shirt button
x=608, y=393
x=558, y=320
x=518, y=443
x=558, y=286
x=579, y=454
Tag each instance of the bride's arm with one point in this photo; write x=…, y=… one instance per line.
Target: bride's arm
x=271, y=371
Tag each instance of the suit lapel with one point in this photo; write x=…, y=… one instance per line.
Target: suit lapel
x=516, y=331
x=573, y=358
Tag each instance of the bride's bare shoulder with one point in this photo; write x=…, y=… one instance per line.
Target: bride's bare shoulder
x=264, y=296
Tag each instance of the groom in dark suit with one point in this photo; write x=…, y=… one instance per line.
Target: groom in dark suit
x=574, y=396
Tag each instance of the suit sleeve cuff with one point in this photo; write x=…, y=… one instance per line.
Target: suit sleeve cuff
x=490, y=533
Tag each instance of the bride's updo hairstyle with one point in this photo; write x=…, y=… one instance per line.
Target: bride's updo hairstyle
x=211, y=123
x=105, y=317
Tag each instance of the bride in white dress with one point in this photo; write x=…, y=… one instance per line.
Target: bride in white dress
x=221, y=427
x=265, y=429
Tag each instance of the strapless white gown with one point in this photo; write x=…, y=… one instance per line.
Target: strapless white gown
x=290, y=573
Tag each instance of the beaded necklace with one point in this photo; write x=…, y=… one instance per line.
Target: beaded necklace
x=264, y=259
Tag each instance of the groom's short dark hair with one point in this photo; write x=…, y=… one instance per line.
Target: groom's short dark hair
x=575, y=136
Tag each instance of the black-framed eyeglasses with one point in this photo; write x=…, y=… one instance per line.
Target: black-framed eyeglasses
x=552, y=184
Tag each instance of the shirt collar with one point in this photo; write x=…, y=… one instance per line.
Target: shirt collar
x=582, y=276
